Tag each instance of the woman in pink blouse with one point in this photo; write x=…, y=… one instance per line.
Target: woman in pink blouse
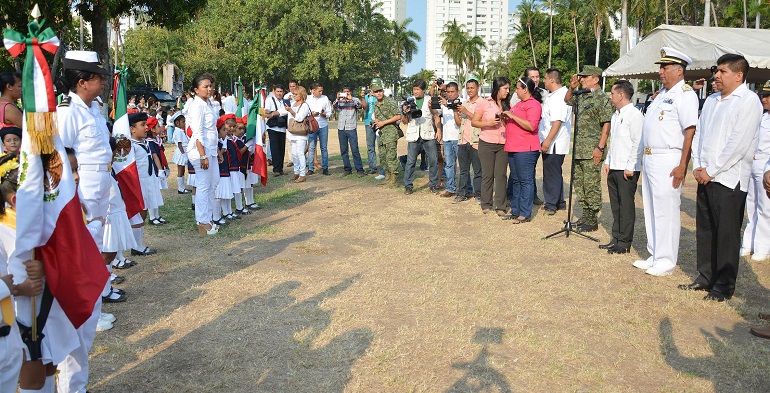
x=523, y=146
x=491, y=145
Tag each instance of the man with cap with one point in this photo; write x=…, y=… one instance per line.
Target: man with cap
x=368, y=100
x=595, y=113
x=667, y=132
x=83, y=128
x=722, y=153
x=386, y=116
x=756, y=237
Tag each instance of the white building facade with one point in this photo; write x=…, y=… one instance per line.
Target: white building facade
x=488, y=19
x=393, y=9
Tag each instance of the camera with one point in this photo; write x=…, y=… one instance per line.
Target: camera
x=374, y=127
x=453, y=103
x=411, y=108
x=343, y=95
x=439, y=82
x=435, y=102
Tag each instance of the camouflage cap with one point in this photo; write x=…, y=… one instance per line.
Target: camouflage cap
x=591, y=70
x=765, y=90
x=376, y=84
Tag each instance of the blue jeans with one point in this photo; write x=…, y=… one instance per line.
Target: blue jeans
x=350, y=136
x=522, y=166
x=323, y=135
x=450, y=157
x=371, y=144
x=413, y=150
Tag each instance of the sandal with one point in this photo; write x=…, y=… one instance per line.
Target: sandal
x=124, y=264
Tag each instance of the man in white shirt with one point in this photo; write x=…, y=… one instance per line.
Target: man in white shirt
x=669, y=125
x=723, y=149
x=321, y=108
x=450, y=134
x=276, y=127
x=622, y=166
x=228, y=103
x=554, y=141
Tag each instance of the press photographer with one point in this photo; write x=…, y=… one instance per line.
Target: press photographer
x=347, y=107
x=417, y=115
x=449, y=132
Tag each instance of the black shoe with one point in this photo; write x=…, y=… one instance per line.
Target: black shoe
x=221, y=222
x=434, y=189
x=719, y=297
x=607, y=246
x=459, y=199
x=576, y=223
x=346, y=173
x=695, y=286
x=587, y=227
x=310, y=173
x=146, y=251
x=616, y=249
x=361, y=174
x=550, y=212
x=408, y=190
x=185, y=191
x=254, y=206
x=373, y=171
x=117, y=280
x=192, y=206
x=537, y=201
x=326, y=172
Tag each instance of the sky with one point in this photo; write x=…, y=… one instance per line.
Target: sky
x=417, y=10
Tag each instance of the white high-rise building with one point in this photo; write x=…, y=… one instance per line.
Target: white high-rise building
x=488, y=19
x=393, y=9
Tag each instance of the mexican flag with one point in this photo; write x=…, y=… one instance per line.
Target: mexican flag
x=255, y=128
x=124, y=164
x=52, y=227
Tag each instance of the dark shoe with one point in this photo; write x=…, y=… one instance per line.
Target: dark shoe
x=373, y=171
x=185, y=191
x=361, y=174
x=459, y=199
x=117, y=280
x=346, y=173
x=695, y=286
x=221, y=222
x=162, y=220
x=192, y=206
x=269, y=162
x=114, y=297
x=576, y=223
x=607, y=246
x=124, y=264
x=290, y=164
x=278, y=173
x=326, y=172
x=587, y=227
x=616, y=249
x=537, y=201
x=434, y=189
x=156, y=222
x=763, y=332
x=550, y=212
x=146, y=251
x=310, y=173
x=244, y=212
x=408, y=190
x=764, y=316
x=719, y=297
x=254, y=206
x=446, y=194
x=518, y=220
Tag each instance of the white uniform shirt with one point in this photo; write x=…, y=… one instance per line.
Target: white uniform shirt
x=200, y=117
x=625, y=134
x=180, y=136
x=763, y=141
x=555, y=109
x=273, y=104
x=668, y=116
x=726, y=136
x=450, y=131
x=228, y=104
x=83, y=128
x=318, y=105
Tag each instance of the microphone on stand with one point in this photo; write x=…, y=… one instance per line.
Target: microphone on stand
x=581, y=91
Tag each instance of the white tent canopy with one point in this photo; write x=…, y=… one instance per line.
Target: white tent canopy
x=703, y=44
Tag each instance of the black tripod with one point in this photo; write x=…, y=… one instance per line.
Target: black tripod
x=568, y=225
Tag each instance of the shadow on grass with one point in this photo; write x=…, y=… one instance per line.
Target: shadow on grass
x=267, y=343
x=480, y=376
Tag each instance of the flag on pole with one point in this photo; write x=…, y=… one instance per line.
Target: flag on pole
x=124, y=164
x=255, y=128
x=239, y=100
x=120, y=97
x=53, y=220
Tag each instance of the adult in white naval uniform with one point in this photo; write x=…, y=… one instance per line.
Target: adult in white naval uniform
x=667, y=134
x=83, y=128
x=722, y=154
x=756, y=237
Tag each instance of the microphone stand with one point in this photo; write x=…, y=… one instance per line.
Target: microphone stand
x=569, y=227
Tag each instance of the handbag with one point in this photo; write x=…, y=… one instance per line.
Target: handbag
x=277, y=122
x=307, y=126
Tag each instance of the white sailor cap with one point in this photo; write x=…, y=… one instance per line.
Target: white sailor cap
x=670, y=55
x=84, y=60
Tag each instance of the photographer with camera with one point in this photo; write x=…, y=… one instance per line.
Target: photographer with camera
x=321, y=108
x=368, y=100
x=451, y=119
x=347, y=106
x=384, y=123
x=277, y=119
x=418, y=116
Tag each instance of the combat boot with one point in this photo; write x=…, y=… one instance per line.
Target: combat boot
x=392, y=180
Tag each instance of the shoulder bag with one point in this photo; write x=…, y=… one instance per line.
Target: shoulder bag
x=279, y=121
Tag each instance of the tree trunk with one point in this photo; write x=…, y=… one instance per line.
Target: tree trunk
x=667, y=11
x=577, y=45
x=745, y=16
x=102, y=48
x=707, y=16
x=598, y=43
x=624, y=28
x=532, y=45
x=758, y=17
x=550, y=34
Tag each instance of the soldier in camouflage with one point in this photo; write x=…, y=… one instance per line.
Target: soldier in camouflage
x=386, y=115
x=595, y=111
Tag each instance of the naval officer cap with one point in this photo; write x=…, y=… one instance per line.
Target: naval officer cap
x=765, y=90
x=670, y=55
x=84, y=60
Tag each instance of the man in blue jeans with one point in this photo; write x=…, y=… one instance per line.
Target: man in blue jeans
x=450, y=134
x=371, y=136
x=420, y=135
x=321, y=108
x=347, y=106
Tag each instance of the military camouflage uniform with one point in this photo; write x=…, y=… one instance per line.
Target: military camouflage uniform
x=595, y=110
x=389, y=134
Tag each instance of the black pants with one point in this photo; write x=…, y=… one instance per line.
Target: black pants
x=277, y=148
x=718, y=220
x=622, y=193
x=553, y=182
x=467, y=156
x=494, y=165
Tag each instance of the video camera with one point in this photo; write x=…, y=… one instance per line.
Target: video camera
x=453, y=103
x=411, y=110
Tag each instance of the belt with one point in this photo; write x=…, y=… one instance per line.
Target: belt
x=761, y=156
x=5, y=330
x=95, y=167
x=651, y=150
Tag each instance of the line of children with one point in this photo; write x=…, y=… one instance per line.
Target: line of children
x=148, y=179
x=247, y=153
x=224, y=192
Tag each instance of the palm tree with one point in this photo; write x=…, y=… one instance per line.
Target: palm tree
x=573, y=9
x=454, y=43
x=472, y=52
x=549, y=5
x=624, y=27
x=528, y=12
x=602, y=12
x=404, y=41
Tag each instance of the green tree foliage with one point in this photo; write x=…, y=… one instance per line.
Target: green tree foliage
x=148, y=48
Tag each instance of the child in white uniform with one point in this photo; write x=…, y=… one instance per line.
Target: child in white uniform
x=147, y=179
x=180, y=139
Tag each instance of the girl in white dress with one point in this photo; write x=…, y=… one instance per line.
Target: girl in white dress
x=180, y=140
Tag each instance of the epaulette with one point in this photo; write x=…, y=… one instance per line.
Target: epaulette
x=65, y=101
x=686, y=87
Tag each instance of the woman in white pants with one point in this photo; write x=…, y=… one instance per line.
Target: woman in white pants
x=298, y=112
x=202, y=152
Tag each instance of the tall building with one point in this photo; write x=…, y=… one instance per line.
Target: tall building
x=488, y=19
x=393, y=9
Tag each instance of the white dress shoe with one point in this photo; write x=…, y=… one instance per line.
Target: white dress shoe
x=103, y=325
x=107, y=317
x=643, y=263
x=658, y=271
x=759, y=257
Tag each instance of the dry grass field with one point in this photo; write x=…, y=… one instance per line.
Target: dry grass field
x=342, y=285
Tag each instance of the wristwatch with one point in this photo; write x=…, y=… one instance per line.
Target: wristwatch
x=601, y=149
